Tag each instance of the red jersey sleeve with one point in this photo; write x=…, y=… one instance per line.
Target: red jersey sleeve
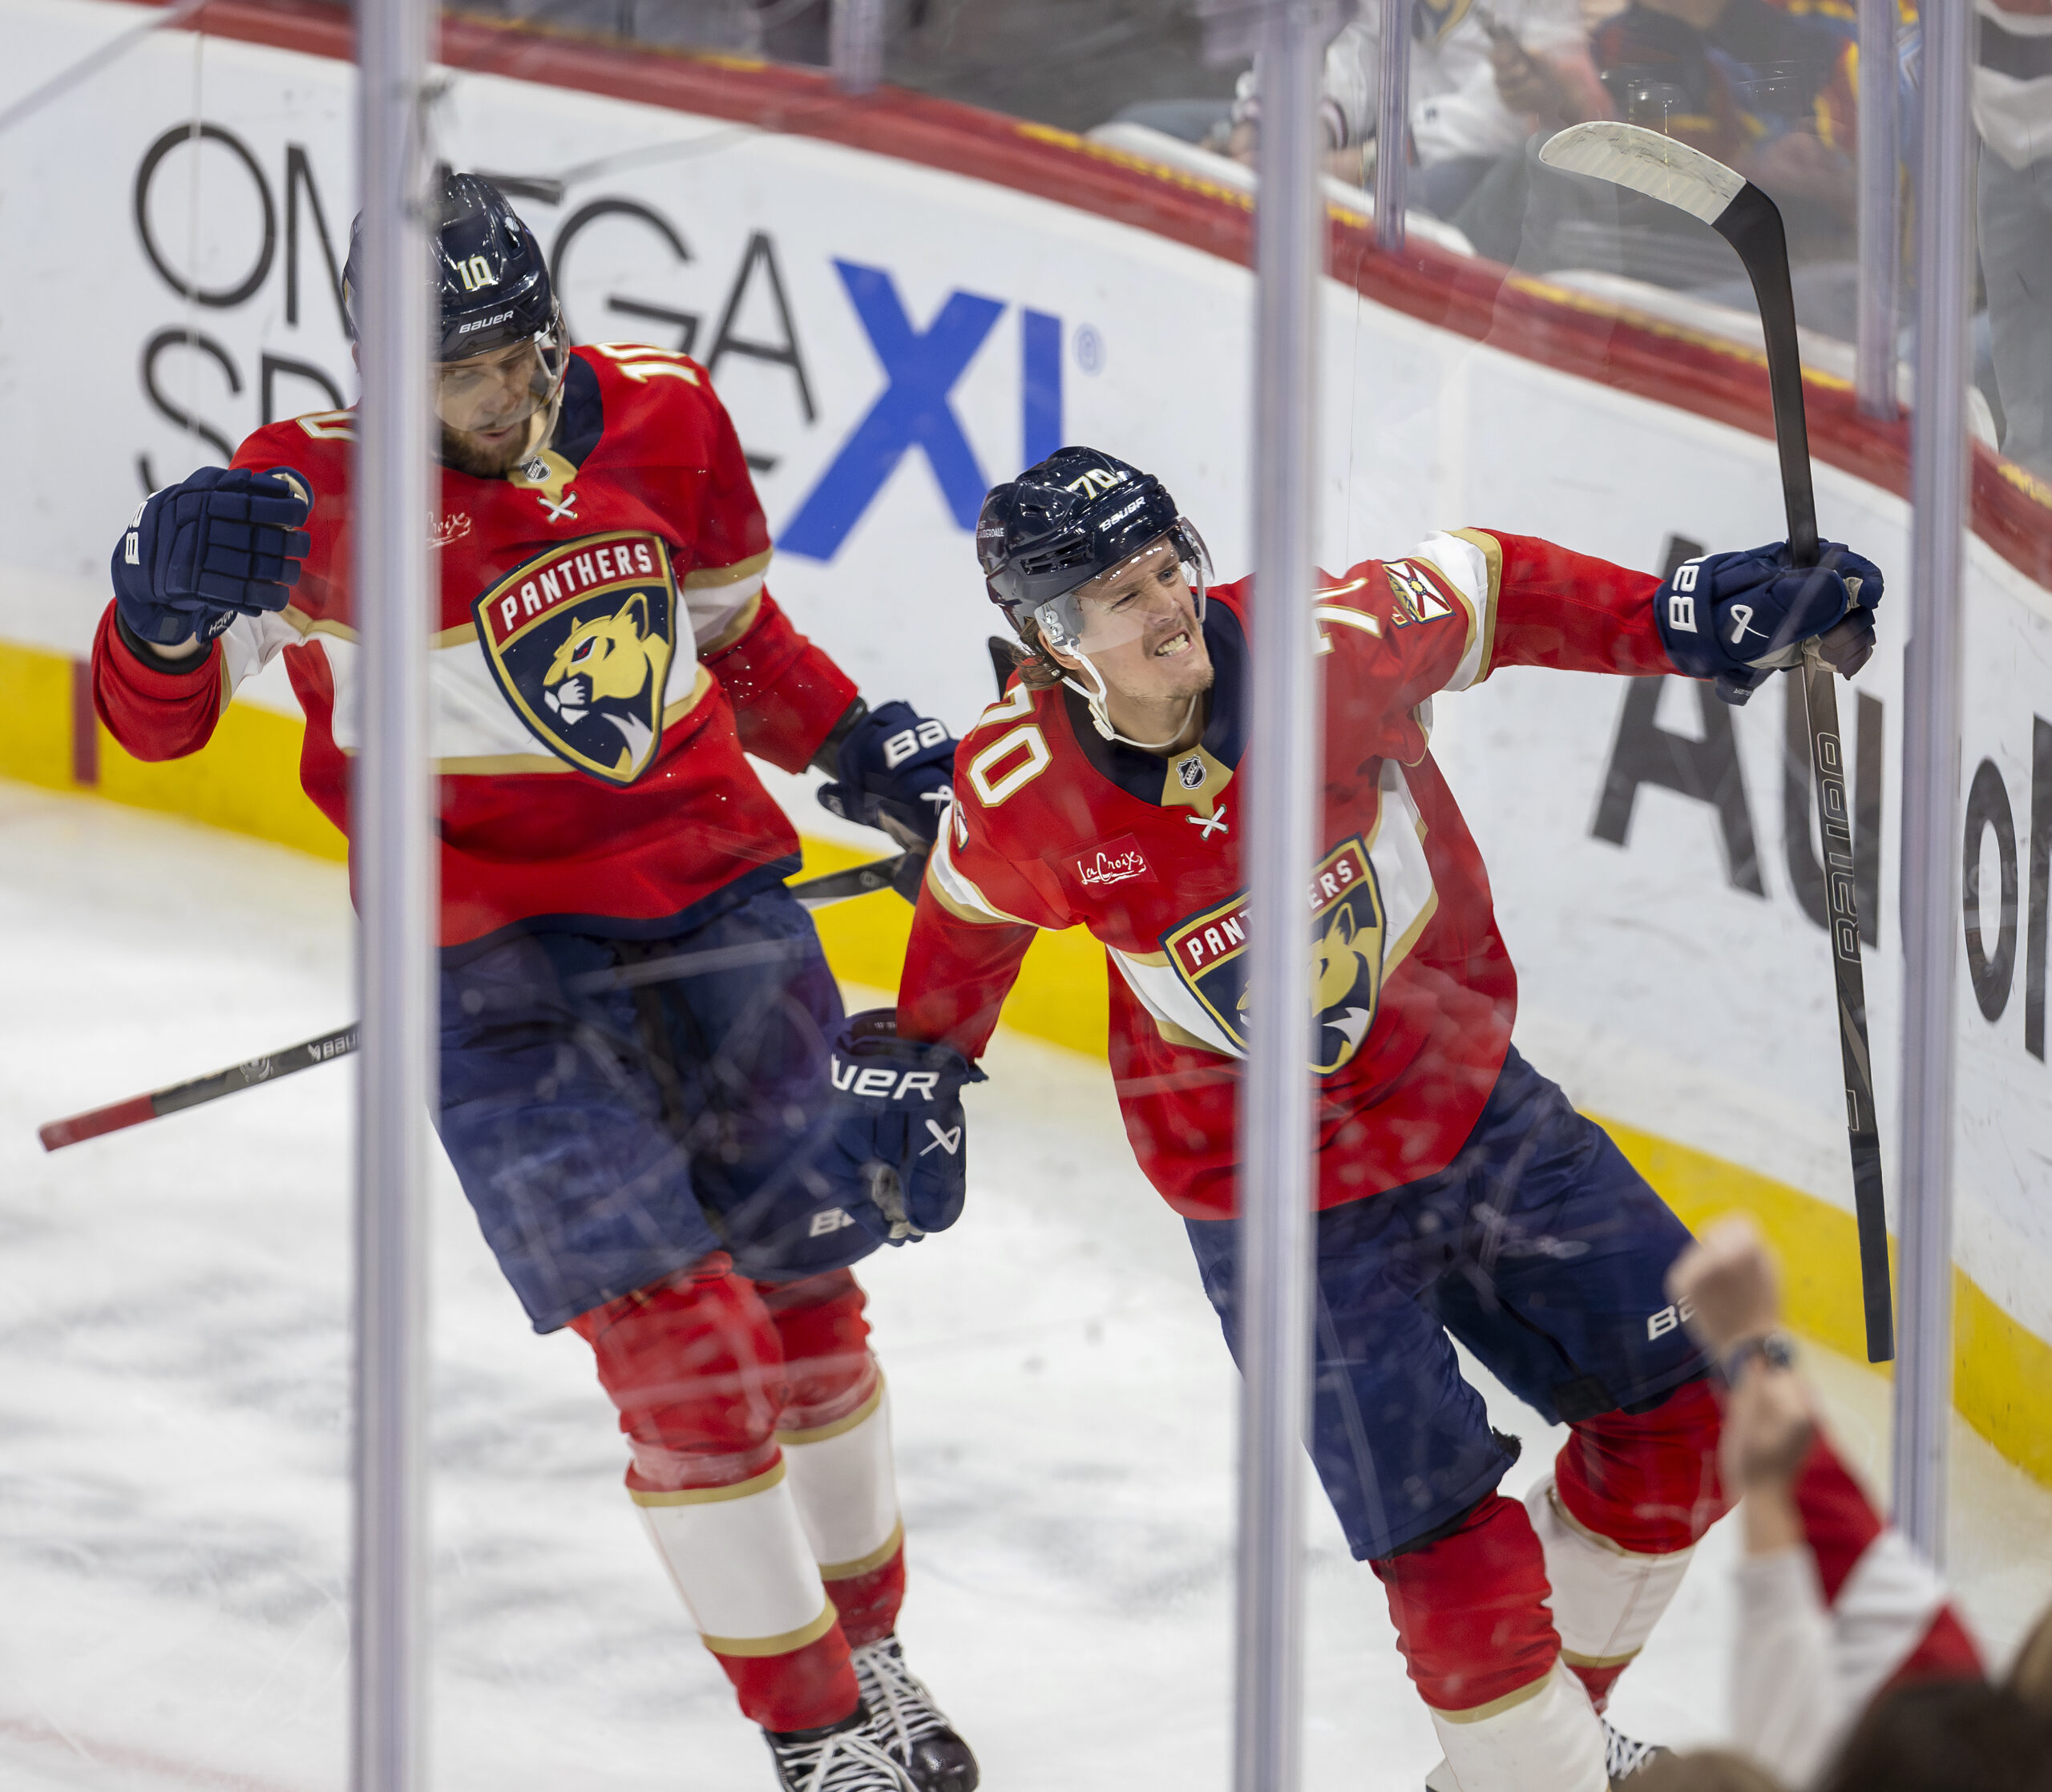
x=155, y=713
x=978, y=912
x=1571, y=611
x=1458, y=605
x=787, y=694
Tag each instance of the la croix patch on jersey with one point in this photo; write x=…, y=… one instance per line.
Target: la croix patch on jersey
x=1209, y=952
x=580, y=639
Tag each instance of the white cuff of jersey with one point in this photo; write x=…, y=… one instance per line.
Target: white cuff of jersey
x=1466, y=569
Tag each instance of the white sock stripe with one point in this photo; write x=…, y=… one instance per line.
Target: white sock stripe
x=1544, y=1737
x=1605, y=1599
x=869, y=1563
x=744, y=1567
x=847, y=1492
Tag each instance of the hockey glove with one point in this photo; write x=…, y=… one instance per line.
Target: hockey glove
x=898, y=1126
x=222, y=543
x=894, y=770
x=1736, y=617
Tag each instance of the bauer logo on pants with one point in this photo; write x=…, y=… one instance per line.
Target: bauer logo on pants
x=580, y=640
x=1210, y=952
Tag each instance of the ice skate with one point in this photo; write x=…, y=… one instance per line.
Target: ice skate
x=1623, y=1758
x=837, y=1757
x=906, y=1725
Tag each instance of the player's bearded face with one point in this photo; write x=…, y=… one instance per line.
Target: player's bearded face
x=487, y=405
x=1141, y=631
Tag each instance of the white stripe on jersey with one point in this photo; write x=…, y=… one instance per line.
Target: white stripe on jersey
x=469, y=719
x=959, y=896
x=1465, y=569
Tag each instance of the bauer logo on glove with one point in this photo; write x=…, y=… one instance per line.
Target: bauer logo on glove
x=225, y=543
x=1735, y=617
x=897, y=1126
x=892, y=770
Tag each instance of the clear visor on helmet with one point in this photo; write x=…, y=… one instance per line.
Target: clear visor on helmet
x=1143, y=595
x=503, y=386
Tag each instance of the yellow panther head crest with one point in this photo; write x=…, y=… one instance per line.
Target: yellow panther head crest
x=1338, y=965
x=605, y=667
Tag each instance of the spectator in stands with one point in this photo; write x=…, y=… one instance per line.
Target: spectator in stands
x=1768, y=89
x=2013, y=109
x=1702, y=1770
x=1835, y=1608
x=1948, y=1735
x=1482, y=79
x=2031, y=1677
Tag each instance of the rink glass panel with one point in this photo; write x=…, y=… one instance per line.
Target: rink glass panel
x=1061, y=1397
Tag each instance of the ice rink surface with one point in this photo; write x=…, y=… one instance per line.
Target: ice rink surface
x=174, y=1411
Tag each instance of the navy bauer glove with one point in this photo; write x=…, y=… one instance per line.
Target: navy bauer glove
x=898, y=1126
x=893, y=769
x=1735, y=617
x=222, y=543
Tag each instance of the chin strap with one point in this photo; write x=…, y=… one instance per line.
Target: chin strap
x=1103, y=721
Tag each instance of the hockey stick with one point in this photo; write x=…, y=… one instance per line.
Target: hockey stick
x=1628, y=155
x=836, y=886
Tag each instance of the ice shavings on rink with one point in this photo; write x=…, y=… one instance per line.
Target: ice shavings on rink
x=174, y=1411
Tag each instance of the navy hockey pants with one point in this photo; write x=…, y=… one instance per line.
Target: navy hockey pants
x=606, y=1138
x=1539, y=1247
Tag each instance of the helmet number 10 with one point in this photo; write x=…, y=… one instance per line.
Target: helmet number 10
x=475, y=273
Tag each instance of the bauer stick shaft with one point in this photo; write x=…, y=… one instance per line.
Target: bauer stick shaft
x=1628, y=155
x=836, y=886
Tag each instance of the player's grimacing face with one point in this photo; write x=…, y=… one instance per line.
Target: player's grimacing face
x=1140, y=628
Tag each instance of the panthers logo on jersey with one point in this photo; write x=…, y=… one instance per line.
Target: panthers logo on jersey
x=580, y=639
x=1209, y=952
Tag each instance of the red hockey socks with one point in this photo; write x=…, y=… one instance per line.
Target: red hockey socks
x=1470, y=1618
x=1619, y=1518
x=704, y=1366
x=835, y=1435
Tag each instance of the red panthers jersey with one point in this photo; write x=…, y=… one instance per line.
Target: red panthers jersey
x=1414, y=996
x=605, y=652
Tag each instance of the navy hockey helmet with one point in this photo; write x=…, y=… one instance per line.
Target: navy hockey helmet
x=492, y=277
x=493, y=290
x=1075, y=516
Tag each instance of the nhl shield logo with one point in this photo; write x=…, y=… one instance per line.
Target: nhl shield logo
x=580, y=639
x=1190, y=771
x=1209, y=952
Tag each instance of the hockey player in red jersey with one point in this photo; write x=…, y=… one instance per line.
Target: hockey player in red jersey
x=646, y=1144
x=1458, y=1192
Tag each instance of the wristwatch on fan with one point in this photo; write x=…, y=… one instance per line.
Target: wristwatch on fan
x=1776, y=1349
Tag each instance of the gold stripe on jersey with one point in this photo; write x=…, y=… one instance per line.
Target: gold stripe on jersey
x=1463, y=568
x=1492, y=557
x=705, y=576
x=735, y=626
